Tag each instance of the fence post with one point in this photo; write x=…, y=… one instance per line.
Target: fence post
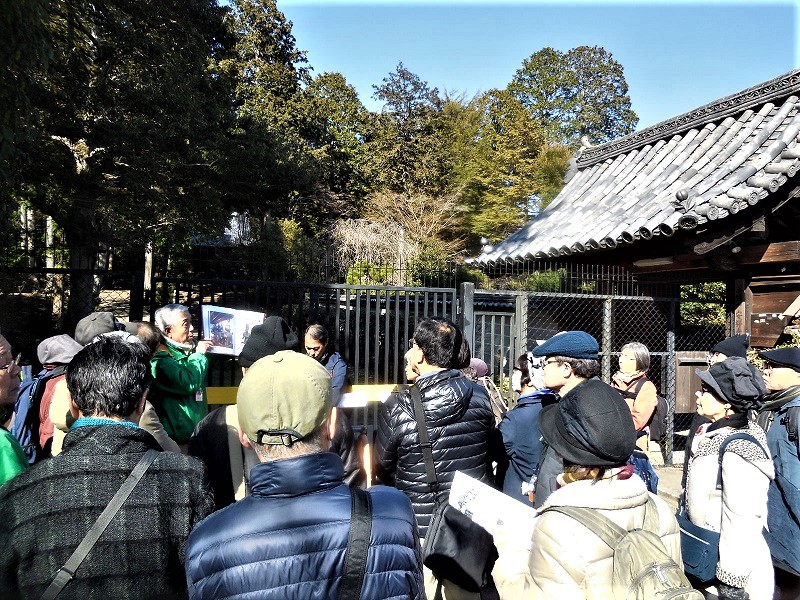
x=666, y=449
x=520, y=325
x=605, y=347
x=136, y=306
x=466, y=317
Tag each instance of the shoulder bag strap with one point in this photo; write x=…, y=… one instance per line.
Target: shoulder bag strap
x=594, y=521
x=724, y=446
x=355, y=557
x=67, y=572
x=424, y=439
x=235, y=452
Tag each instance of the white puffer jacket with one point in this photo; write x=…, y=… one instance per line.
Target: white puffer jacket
x=738, y=511
x=567, y=561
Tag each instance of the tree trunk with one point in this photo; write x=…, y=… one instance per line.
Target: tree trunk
x=83, y=248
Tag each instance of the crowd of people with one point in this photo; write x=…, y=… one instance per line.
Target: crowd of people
x=117, y=481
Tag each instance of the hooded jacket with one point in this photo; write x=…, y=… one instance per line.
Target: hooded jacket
x=739, y=510
x=288, y=538
x=178, y=392
x=522, y=441
x=460, y=421
x=569, y=562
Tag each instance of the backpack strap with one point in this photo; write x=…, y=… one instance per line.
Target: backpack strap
x=724, y=446
x=594, y=521
x=67, y=572
x=792, y=422
x=602, y=526
x=355, y=557
x=424, y=439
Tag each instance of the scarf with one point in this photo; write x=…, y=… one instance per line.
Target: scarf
x=774, y=402
x=628, y=378
x=736, y=421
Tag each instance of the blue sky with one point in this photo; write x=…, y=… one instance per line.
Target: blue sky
x=676, y=55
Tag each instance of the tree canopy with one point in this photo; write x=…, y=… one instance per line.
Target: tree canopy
x=575, y=94
x=130, y=122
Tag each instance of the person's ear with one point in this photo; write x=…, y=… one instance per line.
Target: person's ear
x=140, y=405
x=73, y=408
x=244, y=440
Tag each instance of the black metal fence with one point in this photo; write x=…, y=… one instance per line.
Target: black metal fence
x=370, y=324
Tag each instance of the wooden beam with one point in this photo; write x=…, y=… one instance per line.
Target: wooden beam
x=770, y=253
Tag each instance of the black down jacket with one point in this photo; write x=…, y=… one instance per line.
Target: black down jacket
x=459, y=420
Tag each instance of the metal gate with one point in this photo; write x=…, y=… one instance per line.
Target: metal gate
x=370, y=325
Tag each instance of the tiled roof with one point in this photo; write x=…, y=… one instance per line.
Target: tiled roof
x=701, y=166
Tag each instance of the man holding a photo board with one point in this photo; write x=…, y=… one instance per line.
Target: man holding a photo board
x=179, y=370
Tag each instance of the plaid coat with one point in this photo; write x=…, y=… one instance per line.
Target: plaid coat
x=46, y=511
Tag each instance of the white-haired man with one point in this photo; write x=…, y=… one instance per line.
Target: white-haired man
x=179, y=374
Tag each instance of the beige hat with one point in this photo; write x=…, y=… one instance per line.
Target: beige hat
x=284, y=397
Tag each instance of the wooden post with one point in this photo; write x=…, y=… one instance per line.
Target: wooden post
x=740, y=303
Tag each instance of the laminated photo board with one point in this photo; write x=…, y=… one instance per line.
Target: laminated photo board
x=228, y=328
x=499, y=514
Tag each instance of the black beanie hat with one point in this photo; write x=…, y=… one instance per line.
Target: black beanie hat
x=266, y=339
x=735, y=345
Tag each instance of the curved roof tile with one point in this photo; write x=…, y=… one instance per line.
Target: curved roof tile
x=703, y=165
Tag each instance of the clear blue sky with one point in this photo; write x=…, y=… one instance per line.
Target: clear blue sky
x=676, y=55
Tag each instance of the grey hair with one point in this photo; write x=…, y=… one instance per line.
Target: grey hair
x=168, y=315
x=640, y=352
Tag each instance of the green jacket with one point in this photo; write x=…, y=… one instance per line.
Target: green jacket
x=12, y=458
x=178, y=392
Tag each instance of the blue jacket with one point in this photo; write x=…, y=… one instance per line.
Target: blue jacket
x=785, y=452
x=337, y=369
x=522, y=440
x=287, y=540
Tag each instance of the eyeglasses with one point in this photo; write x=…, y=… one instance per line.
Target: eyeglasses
x=15, y=361
x=411, y=343
x=552, y=361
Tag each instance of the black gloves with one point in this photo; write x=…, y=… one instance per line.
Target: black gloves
x=726, y=592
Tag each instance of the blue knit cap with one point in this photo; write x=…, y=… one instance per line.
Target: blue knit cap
x=573, y=344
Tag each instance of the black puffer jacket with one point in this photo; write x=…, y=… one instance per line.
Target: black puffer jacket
x=460, y=421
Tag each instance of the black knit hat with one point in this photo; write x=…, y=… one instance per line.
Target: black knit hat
x=268, y=338
x=736, y=345
x=591, y=426
x=735, y=381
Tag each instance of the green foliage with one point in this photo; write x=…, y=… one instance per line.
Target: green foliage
x=541, y=281
x=408, y=153
x=579, y=93
x=465, y=274
x=703, y=304
x=364, y=273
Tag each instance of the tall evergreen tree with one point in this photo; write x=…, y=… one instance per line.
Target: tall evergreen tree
x=578, y=93
x=123, y=126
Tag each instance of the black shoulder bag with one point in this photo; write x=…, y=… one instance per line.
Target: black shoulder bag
x=66, y=573
x=456, y=548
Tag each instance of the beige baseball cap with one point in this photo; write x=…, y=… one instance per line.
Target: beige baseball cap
x=283, y=398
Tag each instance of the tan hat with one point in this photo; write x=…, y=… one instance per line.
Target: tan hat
x=283, y=398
